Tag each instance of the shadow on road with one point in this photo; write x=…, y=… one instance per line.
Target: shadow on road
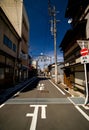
x=10, y=92
x=34, y=84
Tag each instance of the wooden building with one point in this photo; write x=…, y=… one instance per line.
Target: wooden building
x=78, y=12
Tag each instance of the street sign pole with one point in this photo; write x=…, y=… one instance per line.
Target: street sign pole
x=84, y=44
x=86, y=90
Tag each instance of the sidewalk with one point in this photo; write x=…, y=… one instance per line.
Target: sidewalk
x=7, y=93
x=71, y=91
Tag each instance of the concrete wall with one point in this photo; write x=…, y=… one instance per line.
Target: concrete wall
x=5, y=30
x=13, y=10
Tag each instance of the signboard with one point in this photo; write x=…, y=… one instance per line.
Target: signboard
x=83, y=43
x=84, y=59
x=84, y=51
x=24, y=56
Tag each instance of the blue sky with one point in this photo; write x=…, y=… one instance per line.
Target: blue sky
x=40, y=38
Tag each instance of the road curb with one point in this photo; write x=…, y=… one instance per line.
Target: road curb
x=11, y=91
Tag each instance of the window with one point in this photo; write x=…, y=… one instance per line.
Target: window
x=10, y=44
x=14, y=47
x=5, y=40
x=1, y=73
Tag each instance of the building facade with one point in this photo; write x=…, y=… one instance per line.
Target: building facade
x=51, y=70
x=14, y=31
x=23, y=47
x=9, y=41
x=78, y=12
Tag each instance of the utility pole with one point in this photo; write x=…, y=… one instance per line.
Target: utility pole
x=52, y=13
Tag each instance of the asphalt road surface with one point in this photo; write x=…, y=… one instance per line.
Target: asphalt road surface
x=44, y=106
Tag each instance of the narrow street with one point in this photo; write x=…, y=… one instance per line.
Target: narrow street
x=44, y=65
x=44, y=106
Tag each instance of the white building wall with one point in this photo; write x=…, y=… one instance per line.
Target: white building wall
x=13, y=10
x=60, y=73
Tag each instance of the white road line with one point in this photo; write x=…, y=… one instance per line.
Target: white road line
x=82, y=112
x=2, y=105
x=57, y=87
x=71, y=101
x=29, y=114
x=43, y=111
x=17, y=93
x=34, y=115
x=34, y=119
x=79, y=109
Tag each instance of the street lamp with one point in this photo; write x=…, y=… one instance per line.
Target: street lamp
x=70, y=20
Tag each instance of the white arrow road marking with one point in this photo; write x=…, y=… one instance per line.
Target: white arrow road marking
x=40, y=87
x=35, y=115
